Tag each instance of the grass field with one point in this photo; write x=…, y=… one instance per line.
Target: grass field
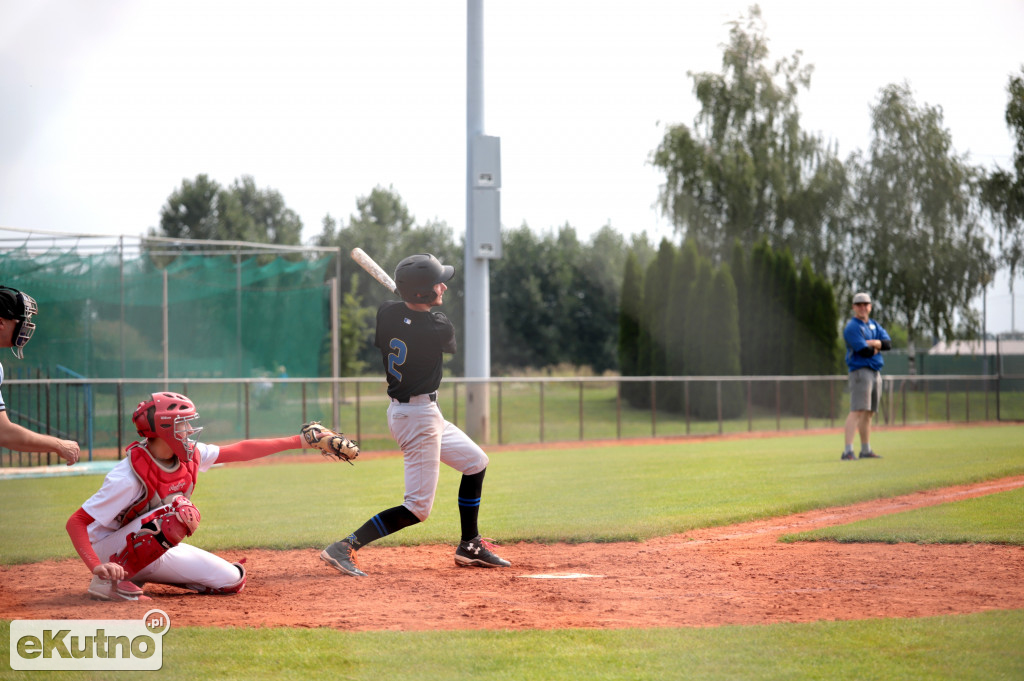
x=606, y=493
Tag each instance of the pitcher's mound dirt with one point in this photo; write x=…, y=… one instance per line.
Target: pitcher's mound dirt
x=730, y=575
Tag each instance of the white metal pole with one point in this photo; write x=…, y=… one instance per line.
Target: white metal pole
x=334, y=285
x=477, y=332
x=167, y=330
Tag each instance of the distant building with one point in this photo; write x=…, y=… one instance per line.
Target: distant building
x=970, y=348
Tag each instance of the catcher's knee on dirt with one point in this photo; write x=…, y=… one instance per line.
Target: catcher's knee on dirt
x=161, y=530
x=232, y=588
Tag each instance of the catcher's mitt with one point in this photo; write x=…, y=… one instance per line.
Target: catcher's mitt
x=332, y=445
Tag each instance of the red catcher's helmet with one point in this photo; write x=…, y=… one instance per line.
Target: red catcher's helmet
x=166, y=416
x=416, y=276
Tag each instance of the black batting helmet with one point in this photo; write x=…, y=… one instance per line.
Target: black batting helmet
x=416, y=276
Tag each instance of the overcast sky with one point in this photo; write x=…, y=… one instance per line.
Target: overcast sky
x=106, y=106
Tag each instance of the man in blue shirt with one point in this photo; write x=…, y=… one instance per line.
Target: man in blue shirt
x=865, y=340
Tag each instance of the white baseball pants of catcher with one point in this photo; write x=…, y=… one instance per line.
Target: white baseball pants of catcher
x=180, y=565
x=428, y=440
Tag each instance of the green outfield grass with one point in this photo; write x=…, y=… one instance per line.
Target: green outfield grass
x=979, y=647
x=603, y=493
x=992, y=519
x=609, y=493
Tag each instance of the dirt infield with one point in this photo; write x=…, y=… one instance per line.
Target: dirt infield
x=729, y=575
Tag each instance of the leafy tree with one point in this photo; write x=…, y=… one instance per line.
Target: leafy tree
x=746, y=169
x=202, y=209
x=722, y=344
x=917, y=242
x=696, y=350
x=762, y=286
x=656, y=298
x=678, y=316
x=555, y=300
x=630, y=310
x=355, y=328
x=598, y=281
x=783, y=311
x=527, y=287
x=249, y=213
x=1003, y=190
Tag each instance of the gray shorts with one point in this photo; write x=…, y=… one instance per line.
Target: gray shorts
x=865, y=389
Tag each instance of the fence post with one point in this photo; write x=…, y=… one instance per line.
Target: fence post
x=500, y=428
x=119, y=393
x=245, y=390
x=48, y=431
x=581, y=410
x=778, y=405
x=750, y=415
x=903, y=397
x=967, y=400
x=686, y=391
x=718, y=399
x=986, y=397
x=618, y=409
x=806, y=407
x=359, y=413
x=542, y=412
x=948, y=416
x=654, y=409
x=926, y=385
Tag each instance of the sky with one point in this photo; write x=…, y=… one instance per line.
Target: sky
x=107, y=106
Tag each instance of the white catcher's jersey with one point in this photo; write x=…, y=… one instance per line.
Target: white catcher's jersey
x=121, y=487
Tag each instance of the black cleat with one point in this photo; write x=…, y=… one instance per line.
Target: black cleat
x=477, y=553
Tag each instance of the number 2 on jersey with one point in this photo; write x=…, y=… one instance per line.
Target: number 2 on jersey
x=397, y=357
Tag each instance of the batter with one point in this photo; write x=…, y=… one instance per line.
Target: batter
x=412, y=339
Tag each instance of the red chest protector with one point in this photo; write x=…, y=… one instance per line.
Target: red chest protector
x=161, y=485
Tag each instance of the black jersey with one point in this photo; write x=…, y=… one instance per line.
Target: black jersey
x=411, y=344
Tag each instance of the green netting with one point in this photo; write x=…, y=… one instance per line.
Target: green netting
x=102, y=315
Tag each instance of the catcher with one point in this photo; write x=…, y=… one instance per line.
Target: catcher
x=131, y=531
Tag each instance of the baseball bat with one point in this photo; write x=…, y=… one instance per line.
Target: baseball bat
x=375, y=271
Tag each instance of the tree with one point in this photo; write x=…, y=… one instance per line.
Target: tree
x=697, y=354
x=598, y=280
x=555, y=300
x=630, y=310
x=916, y=241
x=678, y=316
x=249, y=213
x=202, y=209
x=746, y=169
x=722, y=345
x=1003, y=190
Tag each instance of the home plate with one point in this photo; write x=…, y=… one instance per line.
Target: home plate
x=561, y=575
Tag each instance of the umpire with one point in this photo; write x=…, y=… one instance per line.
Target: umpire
x=865, y=340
